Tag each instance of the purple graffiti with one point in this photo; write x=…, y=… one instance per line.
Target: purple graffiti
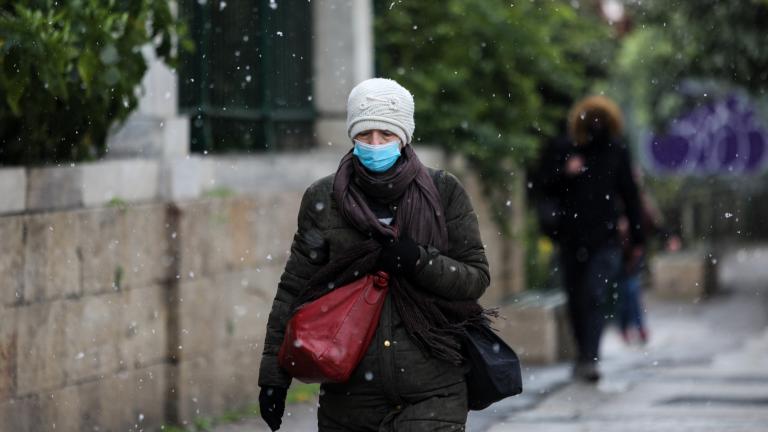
x=720, y=138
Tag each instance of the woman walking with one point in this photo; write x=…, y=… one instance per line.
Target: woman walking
x=383, y=210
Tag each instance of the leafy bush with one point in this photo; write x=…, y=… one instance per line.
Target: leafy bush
x=70, y=68
x=676, y=50
x=491, y=79
x=539, y=256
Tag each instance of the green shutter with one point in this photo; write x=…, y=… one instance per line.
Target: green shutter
x=248, y=84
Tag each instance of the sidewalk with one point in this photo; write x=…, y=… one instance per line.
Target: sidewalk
x=705, y=369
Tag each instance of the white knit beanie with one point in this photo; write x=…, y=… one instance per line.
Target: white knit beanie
x=380, y=103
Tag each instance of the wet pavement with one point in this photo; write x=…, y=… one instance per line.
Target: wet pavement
x=704, y=369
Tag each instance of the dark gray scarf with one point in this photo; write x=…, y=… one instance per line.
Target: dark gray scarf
x=435, y=325
x=419, y=212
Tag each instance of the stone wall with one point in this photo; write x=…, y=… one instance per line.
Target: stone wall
x=84, y=322
x=686, y=275
x=116, y=319
x=232, y=253
x=130, y=313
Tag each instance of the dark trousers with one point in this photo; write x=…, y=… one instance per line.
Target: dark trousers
x=588, y=277
x=437, y=410
x=630, y=309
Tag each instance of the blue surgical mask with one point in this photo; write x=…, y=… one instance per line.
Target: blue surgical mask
x=377, y=158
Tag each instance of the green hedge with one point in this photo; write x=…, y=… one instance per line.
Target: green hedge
x=491, y=79
x=69, y=69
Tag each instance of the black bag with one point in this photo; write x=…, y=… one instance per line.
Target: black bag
x=495, y=369
x=548, y=215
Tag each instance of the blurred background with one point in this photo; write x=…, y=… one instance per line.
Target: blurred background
x=153, y=154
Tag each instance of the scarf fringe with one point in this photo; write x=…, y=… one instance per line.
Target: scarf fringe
x=436, y=326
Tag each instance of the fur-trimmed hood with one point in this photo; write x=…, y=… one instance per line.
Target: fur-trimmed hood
x=594, y=110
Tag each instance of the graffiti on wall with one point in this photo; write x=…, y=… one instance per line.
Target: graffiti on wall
x=724, y=137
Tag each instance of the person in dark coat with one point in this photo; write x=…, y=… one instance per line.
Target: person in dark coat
x=586, y=183
x=383, y=210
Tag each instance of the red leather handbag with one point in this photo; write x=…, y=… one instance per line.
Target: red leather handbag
x=326, y=339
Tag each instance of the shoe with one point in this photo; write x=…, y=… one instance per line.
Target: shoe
x=643, y=334
x=586, y=371
x=626, y=336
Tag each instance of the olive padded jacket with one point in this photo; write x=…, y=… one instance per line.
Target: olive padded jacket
x=393, y=365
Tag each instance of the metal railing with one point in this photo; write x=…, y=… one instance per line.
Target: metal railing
x=248, y=84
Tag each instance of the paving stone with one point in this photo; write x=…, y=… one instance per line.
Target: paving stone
x=147, y=236
x=220, y=234
x=8, y=352
x=93, y=335
x=41, y=347
x=193, y=237
x=197, y=389
x=144, y=331
x=102, y=245
x=145, y=391
x=11, y=259
x=60, y=410
x=262, y=282
x=51, y=261
x=244, y=233
x=238, y=383
x=245, y=308
x=228, y=310
x=220, y=381
x=130, y=400
x=276, y=223
x=22, y=415
x=202, y=323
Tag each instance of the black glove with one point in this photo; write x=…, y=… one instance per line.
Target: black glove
x=399, y=256
x=272, y=405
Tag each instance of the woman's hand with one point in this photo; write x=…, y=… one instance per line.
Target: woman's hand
x=399, y=256
x=272, y=405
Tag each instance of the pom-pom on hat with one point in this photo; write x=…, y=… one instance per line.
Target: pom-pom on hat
x=381, y=103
